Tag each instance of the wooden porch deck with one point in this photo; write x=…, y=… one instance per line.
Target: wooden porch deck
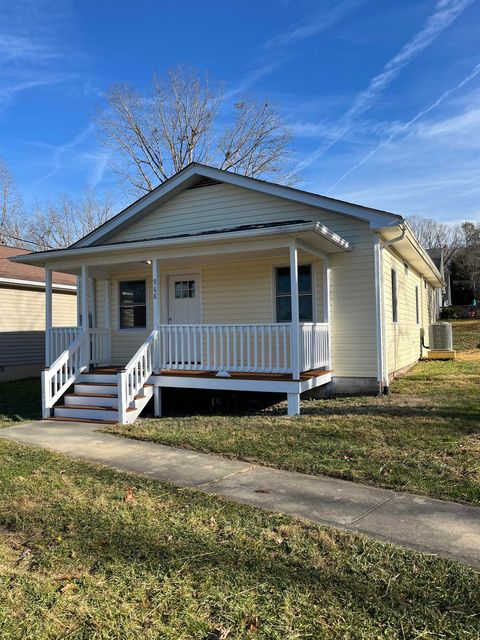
x=280, y=377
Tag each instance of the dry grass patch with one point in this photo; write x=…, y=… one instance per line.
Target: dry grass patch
x=110, y=555
x=423, y=438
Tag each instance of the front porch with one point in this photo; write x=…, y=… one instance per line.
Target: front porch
x=129, y=316
x=221, y=357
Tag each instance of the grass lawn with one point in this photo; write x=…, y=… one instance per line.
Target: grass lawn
x=424, y=438
x=88, y=553
x=20, y=401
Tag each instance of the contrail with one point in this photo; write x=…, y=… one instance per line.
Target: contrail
x=445, y=13
x=407, y=125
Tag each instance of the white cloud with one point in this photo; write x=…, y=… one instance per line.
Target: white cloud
x=458, y=129
x=445, y=13
x=34, y=51
x=81, y=156
x=403, y=128
x=15, y=47
x=267, y=64
x=313, y=25
x=263, y=69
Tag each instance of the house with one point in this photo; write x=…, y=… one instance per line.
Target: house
x=219, y=281
x=22, y=314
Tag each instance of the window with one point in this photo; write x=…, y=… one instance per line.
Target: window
x=185, y=289
x=133, y=307
x=417, y=308
x=394, y=296
x=283, y=298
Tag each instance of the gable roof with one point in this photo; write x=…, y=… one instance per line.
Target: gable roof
x=196, y=173
x=16, y=273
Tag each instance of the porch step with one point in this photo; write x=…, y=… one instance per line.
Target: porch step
x=96, y=413
x=95, y=399
x=95, y=388
x=88, y=399
x=107, y=378
x=87, y=420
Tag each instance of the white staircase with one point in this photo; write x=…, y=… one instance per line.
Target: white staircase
x=95, y=399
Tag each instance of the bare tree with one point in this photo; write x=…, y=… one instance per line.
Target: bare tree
x=437, y=235
x=183, y=119
x=255, y=143
x=61, y=222
x=467, y=257
x=11, y=213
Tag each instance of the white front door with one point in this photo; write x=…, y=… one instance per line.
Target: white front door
x=184, y=299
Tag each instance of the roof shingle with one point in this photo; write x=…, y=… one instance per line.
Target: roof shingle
x=17, y=271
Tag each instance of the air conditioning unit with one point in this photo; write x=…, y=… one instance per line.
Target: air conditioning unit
x=440, y=336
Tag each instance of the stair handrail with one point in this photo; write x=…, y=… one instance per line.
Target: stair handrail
x=64, y=371
x=136, y=373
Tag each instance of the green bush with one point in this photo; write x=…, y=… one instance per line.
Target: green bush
x=459, y=313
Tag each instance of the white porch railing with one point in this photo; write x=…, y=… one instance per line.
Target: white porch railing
x=263, y=348
x=63, y=372
x=60, y=339
x=100, y=346
x=242, y=348
x=314, y=345
x=132, y=379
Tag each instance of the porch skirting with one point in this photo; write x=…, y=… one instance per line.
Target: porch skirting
x=346, y=386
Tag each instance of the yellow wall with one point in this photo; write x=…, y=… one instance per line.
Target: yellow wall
x=240, y=293
x=24, y=309
x=403, y=337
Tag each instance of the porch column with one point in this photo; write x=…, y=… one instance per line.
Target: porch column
x=157, y=391
x=79, y=310
x=85, y=313
x=326, y=305
x=295, y=343
x=106, y=313
x=156, y=293
x=91, y=293
x=294, y=398
x=48, y=316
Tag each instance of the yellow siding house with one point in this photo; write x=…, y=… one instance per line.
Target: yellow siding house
x=218, y=281
x=22, y=314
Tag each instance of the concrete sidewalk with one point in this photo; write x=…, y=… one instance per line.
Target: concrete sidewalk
x=434, y=526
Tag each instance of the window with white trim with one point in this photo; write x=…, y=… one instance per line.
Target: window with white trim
x=417, y=306
x=133, y=304
x=283, y=296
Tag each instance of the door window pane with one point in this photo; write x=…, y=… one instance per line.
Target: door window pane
x=133, y=306
x=184, y=289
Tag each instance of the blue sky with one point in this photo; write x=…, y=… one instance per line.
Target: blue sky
x=382, y=97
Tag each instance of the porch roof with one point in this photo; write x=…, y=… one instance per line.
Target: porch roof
x=314, y=237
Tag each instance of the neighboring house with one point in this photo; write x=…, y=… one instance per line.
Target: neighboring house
x=190, y=287
x=22, y=314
